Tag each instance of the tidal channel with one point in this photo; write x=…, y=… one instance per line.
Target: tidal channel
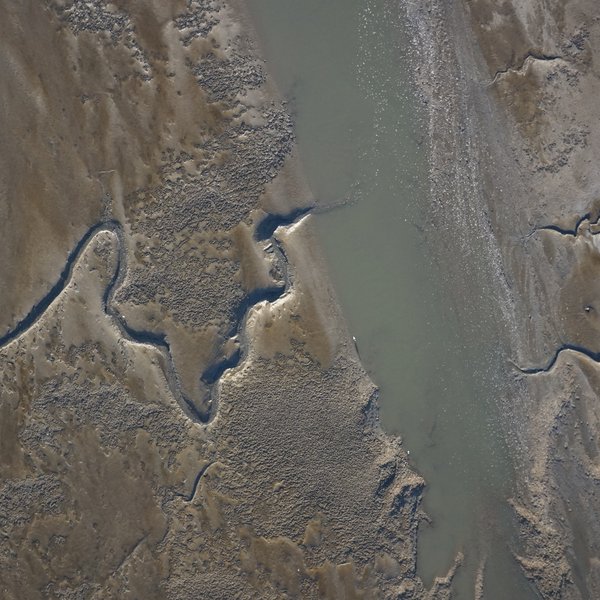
x=344, y=67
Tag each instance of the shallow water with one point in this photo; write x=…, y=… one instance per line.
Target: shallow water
x=343, y=66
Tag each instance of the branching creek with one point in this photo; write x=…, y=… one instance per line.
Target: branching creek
x=265, y=230
x=566, y=347
x=530, y=56
x=573, y=232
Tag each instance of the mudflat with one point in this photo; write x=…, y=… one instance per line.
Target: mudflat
x=183, y=413
x=513, y=89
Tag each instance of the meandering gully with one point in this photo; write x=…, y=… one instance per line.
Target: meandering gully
x=211, y=376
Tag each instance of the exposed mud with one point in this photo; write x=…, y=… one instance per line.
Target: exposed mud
x=523, y=76
x=183, y=392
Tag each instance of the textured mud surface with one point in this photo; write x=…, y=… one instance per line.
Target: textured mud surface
x=182, y=414
x=516, y=87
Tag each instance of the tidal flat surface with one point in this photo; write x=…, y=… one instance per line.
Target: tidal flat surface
x=344, y=66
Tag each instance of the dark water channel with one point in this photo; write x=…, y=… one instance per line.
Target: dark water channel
x=343, y=65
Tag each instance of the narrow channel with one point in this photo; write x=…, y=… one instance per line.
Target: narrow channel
x=343, y=65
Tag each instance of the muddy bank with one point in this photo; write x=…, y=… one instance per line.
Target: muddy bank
x=513, y=91
x=272, y=477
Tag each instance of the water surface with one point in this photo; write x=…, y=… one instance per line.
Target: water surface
x=343, y=65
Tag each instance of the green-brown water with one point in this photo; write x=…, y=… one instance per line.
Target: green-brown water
x=343, y=65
